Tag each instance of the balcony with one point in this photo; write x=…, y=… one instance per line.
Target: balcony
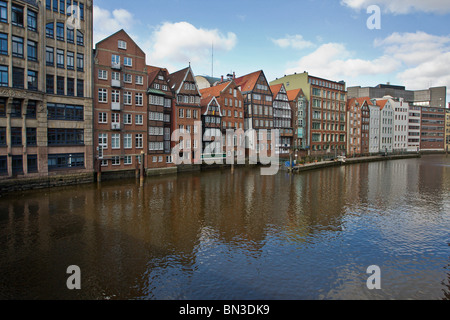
x=116, y=126
x=116, y=106
x=116, y=83
x=116, y=65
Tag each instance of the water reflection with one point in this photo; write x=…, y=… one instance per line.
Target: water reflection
x=216, y=235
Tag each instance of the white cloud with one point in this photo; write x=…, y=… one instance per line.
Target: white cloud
x=401, y=6
x=106, y=22
x=416, y=60
x=334, y=61
x=181, y=43
x=296, y=42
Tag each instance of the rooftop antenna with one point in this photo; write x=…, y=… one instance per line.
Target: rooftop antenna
x=212, y=59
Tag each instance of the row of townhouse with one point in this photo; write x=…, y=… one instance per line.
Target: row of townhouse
x=69, y=108
x=388, y=125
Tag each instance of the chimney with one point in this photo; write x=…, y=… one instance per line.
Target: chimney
x=222, y=78
x=234, y=75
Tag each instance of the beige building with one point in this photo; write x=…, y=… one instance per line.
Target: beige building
x=46, y=108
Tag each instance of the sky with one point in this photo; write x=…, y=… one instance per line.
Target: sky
x=327, y=38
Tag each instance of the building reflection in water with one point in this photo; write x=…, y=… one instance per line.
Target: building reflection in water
x=212, y=228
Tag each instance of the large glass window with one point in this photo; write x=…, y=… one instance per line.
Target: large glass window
x=17, y=15
x=60, y=58
x=4, y=81
x=60, y=86
x=50, y=30
x=3, y=43
x=2, y=137
x=3, y=11
x=50, y=84
x=32, y=50
x=65, y=137
x=80, y=38
x=16, y=137
x=32, y=20
x=17, y=47
x=32, y=80
x=17, y=165
x=65, y=161
x=60, y=31
x=31, y=137
x=50, y=56
x=32, y=163
x=18, y=78
x=70, y=60
x=65, y=112
x=70, y=35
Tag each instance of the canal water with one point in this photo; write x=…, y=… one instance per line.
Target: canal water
x=214, y=235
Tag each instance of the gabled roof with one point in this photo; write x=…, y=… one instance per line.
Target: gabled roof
x=176, y=79
x=248, y=82
x=293, y=94
x=276, y=89
x=206, y=101
x=125, y=34
x=216, y=90
x=381, y=103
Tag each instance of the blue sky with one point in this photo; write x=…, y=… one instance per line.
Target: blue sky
x=327, y=38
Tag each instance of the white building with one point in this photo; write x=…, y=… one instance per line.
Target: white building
x=386, y=125
x=414, y=119
x=374, y=134
x=400, y=142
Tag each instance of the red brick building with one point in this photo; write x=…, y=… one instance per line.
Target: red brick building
x=231, y=103
x=186, y=111
x=160, y=112
x=358, y=126
x=120, y=103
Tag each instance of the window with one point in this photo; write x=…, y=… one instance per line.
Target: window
x=50, y=84
x=3, y=43
x=115, y=96
x=17, y=165
x=115, y=76
x=139, y=119
x=31, y=109
x=127, y=98
x=103, y=140
x=103, y=95
x=139, y=99
x=128, y=160
x=80, y=62
x=4, y=81
x=81, y=6
x=70, y=60
x=50, y=30
x=115, y=161
x=128, y=119
x=60, y=86
x=128, y=62
x=115, y=141
x=2, y=137
x=80, y=38
x=50, y=56
x=122, y=45
x=115, y=59
x=80, y=88
x=32, y=50
x=31, y=137
x=127, y=141
x=32, y=20
x=103, y=74
x=18, y=78
x=2, y=107
x=65, y=137
x=139, y=139
x=70, y=35
x=102, y=117
x=55, y=5
x=3, y=11
x=62, y=6
x=127, y=78
x=17, y=15
x=65, y=161
x=70, y=87
x=32, y=80
x=16, y=136
x=140, y=80
x=60, y=31
x=32, y=163
x=17, y=47
x=60, y=58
